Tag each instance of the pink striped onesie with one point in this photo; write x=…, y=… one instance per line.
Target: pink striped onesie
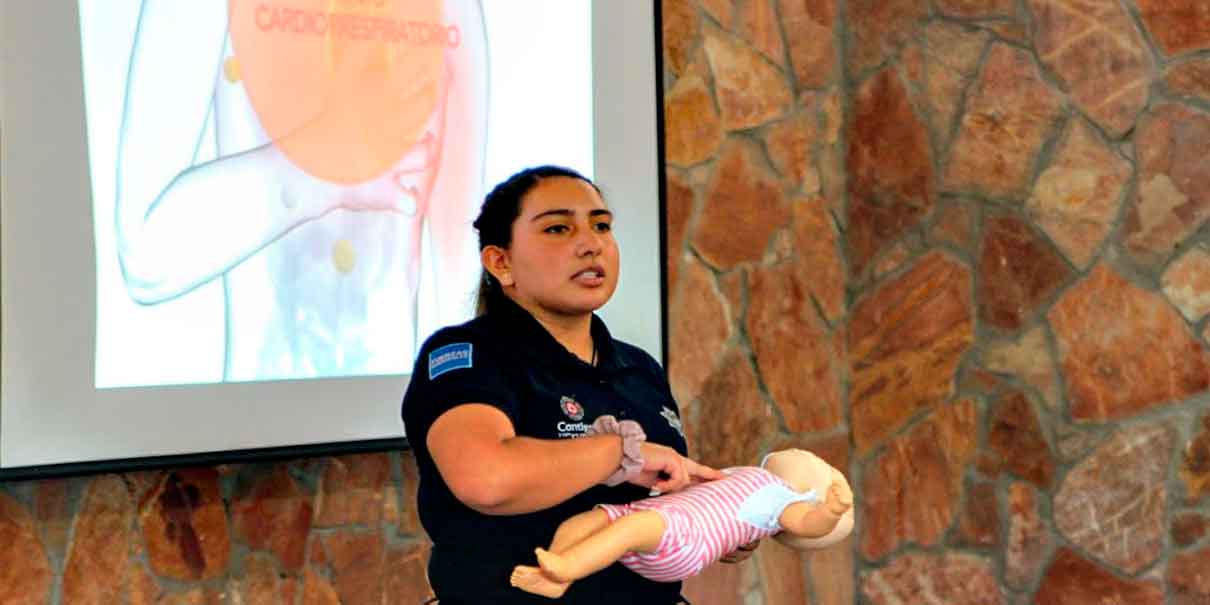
x=703, y=522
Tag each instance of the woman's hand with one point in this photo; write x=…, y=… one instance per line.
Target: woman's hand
x=741, y=554
x=665, y=470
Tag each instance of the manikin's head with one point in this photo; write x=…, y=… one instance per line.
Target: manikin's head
x=805, y=471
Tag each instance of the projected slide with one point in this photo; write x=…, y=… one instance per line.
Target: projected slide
x=283, y=189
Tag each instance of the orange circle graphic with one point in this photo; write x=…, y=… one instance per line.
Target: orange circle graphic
x=344, y=88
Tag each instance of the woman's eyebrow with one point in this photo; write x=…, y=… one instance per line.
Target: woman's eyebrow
x=553, y=212
x=569, y=212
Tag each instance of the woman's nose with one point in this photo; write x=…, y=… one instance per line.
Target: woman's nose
x=589, y=243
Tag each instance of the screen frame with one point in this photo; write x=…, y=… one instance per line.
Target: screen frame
x=652, y=163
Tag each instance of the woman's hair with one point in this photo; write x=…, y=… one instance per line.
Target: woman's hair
x=500, y=209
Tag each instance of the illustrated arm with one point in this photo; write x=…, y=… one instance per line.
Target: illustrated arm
x=180, y=225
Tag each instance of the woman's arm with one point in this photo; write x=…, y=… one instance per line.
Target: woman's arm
x=492, y=470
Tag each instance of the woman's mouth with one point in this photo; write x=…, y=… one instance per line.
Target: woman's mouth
x=592, y=276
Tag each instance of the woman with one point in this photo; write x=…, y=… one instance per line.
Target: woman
x=500, y=409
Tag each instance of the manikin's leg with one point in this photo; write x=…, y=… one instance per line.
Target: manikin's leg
x=532, y=580
x=570, y=532
x=575, y=529
x=640, y=531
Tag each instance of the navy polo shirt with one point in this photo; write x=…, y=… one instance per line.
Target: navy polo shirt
x=508, y=360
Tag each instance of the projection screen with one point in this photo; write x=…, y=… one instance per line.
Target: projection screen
x=228, y=225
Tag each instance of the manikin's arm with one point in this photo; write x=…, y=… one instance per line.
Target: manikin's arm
x=809, y=520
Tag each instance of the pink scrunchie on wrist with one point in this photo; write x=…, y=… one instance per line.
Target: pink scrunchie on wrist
x=632, y=456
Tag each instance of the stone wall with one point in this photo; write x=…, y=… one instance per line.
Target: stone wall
x=316, y=531
x=754, y=144
x=959, y=247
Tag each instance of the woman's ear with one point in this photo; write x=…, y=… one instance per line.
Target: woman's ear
x=495, y=260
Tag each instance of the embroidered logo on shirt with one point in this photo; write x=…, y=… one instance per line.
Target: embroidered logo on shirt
x=449, y=357
x=571, y=408
x=673, y=420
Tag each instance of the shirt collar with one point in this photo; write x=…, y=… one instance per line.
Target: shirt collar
x=530, y=338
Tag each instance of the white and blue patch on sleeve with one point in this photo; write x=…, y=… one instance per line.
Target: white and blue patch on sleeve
x=448, y=358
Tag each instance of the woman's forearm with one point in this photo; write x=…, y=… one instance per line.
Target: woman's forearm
x=530, y=474
x=492, y=470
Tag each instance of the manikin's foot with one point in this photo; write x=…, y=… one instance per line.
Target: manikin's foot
x=554, y=566
x=532, y=580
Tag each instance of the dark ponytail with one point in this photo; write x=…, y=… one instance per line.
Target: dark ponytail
x=495, y=223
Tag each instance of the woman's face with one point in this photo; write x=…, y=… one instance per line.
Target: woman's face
x=563, y=258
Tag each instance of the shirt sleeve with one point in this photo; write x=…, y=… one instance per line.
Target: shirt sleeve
x=661, y=376
x=455, y=366
x=657, y=375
